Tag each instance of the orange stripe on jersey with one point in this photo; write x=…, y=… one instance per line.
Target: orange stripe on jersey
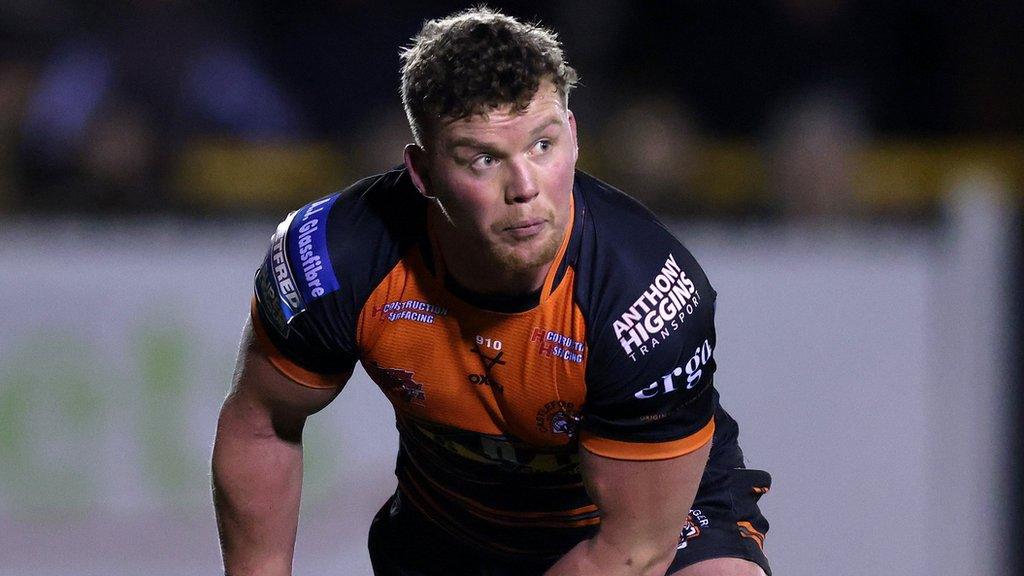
x=415, y=495
x=647, y=450
x=289, y=369
x=427, y=506
x=551, y=519
x=747, y=530
x=549, y=278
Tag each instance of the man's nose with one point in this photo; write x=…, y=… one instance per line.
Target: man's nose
x=521, y=186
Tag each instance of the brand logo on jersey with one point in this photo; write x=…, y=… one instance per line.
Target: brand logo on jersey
x=489, y=362
x=309, y=251
x=267, y=292
x=695, y=520
x=398, y=382
x=485, y=380
x=286, y=289
x=555, y=345
x=658, y=312
x=305, y=257
x=653, y=417
x=312, y=263
x=558, y=417
x=414, y=310
x=694, y=369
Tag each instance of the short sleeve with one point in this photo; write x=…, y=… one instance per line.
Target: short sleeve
x=297, y=315
x=650, y=381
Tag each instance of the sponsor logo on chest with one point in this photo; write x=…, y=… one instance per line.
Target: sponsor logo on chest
x=554, y=345
x=411, y=310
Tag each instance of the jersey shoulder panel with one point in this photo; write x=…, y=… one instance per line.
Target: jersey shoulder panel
x=650, y=316
x=324, y=261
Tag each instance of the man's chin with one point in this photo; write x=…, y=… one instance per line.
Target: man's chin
x=529, y=255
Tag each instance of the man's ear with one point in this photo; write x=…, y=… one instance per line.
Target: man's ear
x=572, y=130
x=416, y=163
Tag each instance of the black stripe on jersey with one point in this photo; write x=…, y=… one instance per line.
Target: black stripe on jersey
x=537, y=539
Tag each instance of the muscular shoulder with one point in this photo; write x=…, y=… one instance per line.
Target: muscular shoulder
x=326, y=257
x=636, y=275
x=650, y=311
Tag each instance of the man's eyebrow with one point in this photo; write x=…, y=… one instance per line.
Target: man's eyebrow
x=468, y=142
x=542, y=127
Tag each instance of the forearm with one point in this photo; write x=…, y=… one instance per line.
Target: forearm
x=257, y=483
x=640, y=519
x=600, y=556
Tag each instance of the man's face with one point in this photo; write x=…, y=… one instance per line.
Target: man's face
x=503, y=180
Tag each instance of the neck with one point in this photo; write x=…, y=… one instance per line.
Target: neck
x=477, y=270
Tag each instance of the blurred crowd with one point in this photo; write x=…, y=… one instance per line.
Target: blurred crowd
x=796, y=108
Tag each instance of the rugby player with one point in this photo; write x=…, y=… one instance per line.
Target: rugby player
x=548, y=347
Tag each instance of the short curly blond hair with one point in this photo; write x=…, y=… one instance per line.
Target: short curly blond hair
x=475, y=60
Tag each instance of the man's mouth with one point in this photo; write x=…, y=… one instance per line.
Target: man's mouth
x=524, y=229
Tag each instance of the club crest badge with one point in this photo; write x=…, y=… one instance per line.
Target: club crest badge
x=558, y=417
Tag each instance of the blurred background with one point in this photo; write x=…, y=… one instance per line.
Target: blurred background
x=849, y=174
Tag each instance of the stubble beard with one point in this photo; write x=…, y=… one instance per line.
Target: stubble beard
x=514, y=260
x=510, y=260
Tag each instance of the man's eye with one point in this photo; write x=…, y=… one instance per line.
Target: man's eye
x=542, y=146
x=484, y=161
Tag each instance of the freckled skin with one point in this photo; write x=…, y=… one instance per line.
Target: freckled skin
x=500, y=185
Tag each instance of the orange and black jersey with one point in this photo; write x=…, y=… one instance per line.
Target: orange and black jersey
x=493, y=396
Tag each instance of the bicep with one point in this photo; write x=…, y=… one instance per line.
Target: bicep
x=643, y=503
x=264, y=398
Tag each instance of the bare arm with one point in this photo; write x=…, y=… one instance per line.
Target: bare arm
x=643, y=506
x=257, y=463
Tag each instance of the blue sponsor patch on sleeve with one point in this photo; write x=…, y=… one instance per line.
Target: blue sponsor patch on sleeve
x=307, y=252
x=297, y=269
